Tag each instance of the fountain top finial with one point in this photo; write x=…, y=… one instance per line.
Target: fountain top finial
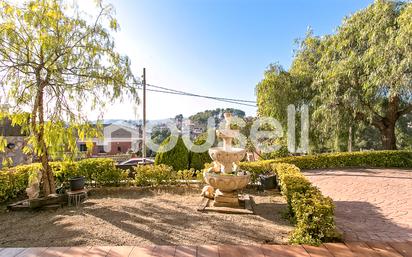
x=228, y=119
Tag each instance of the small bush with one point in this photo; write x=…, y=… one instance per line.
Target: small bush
x=256, y=168
x=63, y=171
x=14, y=181
x=154, y=175
x=177, y=157
x=101, y=170
x=188, y=175
x=198, y=160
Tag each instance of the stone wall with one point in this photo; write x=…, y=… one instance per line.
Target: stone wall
x=14, y=150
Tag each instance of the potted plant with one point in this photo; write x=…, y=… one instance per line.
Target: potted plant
x=268, y=181
x=77, y=183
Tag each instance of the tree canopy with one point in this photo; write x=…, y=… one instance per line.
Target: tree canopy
x=55, y=64
x=201, y=118
x=359, y=76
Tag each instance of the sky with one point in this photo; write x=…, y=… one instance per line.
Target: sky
x=214, y=47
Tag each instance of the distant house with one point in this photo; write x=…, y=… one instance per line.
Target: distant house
x=117, y=139
x=194, y=129
x=16, y=140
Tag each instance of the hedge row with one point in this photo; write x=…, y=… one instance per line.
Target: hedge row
x=369, y=159
x=99, y=170
x=307, y=206
x=312, y=212
x=14, y=181
x=155, y=175
x=373, y=159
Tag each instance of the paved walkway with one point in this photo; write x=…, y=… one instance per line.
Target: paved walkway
x=394, y=249
x=371, y=204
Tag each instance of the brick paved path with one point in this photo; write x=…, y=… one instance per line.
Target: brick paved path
x=371, y=204
x=348, y=249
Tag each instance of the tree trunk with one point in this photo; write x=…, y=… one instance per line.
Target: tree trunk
x=389, y=122
x=48, y=184
x=48, y=179
x=388, y=137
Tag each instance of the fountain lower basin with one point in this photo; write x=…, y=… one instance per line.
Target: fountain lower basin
x=226, y=183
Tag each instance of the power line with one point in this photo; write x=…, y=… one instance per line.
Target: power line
x=208, y=97
x=196, y=95
x=165, y=90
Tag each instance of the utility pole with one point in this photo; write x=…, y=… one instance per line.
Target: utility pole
x=144, y=116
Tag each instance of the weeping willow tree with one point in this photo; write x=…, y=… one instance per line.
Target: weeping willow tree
x=56, y=65
x=359, y=76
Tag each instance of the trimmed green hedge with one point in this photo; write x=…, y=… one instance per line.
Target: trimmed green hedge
x=99, y=171
x=312, y=212
x=369, y=159
x=154, y=175
x=375, y=159
x=14, y=181
x=309, y=209
x=102, y=171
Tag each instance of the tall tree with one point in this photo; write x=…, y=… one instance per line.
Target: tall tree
x=360, y=74
x=365, y=69
x=55, y=63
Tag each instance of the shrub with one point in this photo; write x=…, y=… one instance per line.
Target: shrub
x=63, y=171
x=14, y=181
x=291, y=181
x=376, y=159
x=198, y=160
x=101, y=170
x=256, y=168
x=312, y=212
x=177, y=157
x=308, y=208
x=314, y=215
x=153, y=175
x=371, y=159
x=191, y=174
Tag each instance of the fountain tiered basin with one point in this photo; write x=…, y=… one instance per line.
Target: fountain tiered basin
x=225, y=177
x=226, y=183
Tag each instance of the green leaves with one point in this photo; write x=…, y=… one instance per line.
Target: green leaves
x=55, y=63
x=178, y=157
x=360, y=74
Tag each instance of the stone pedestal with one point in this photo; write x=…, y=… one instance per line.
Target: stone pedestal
x=226, y=199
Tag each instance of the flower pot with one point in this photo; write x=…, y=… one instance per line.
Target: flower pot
x=77, y=183
x=268, y=181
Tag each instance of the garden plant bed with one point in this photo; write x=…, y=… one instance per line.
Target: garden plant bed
x=136, y=216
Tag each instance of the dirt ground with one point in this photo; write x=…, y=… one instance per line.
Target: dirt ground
x=130, y=216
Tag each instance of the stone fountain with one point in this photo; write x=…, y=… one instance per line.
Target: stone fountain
x=225, y=177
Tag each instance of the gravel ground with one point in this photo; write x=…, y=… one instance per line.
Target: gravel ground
x=131, y=216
